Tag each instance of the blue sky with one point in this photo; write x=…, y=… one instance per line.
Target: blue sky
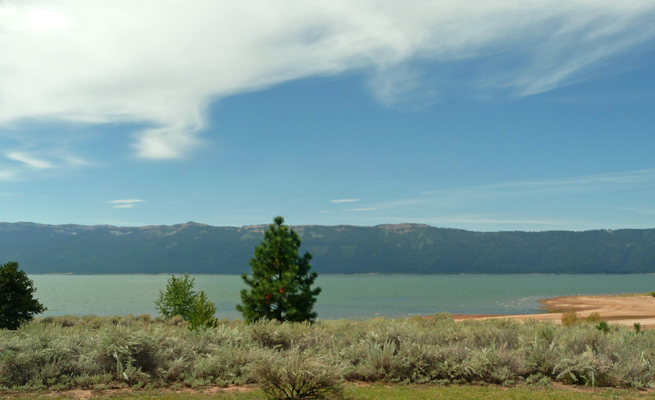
x=478, y=115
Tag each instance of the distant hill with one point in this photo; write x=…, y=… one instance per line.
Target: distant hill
x=390, y=249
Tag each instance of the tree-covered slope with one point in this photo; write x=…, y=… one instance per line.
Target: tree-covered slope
x=404, y=248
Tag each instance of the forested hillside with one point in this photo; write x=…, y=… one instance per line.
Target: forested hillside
x=404, y=248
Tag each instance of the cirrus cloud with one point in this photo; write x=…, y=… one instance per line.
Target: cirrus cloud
x=127, y=203
x=29, y=160
x=162, y=63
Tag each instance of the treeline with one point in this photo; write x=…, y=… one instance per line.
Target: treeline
x=404, y=248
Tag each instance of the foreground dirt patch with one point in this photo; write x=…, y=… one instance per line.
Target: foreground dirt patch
x=620, y=309
x=82, y=394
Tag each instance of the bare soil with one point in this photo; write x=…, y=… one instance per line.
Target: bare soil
x=83, y=394
x=619, y=309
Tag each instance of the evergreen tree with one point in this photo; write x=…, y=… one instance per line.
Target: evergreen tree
x=202, y=313
x=280, y=286
x=16, y=302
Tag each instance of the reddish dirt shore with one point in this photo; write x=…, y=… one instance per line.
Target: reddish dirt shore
x=619, y=309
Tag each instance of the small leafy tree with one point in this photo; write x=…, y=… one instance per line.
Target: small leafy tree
x=178, y=299
x=280, y=286
x=17, y=304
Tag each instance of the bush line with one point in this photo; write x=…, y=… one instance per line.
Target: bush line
x=107, y=352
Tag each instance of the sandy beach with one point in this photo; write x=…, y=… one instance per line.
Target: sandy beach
x=619, y=309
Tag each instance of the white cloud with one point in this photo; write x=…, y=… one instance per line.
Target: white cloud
x=578, y=183
x=45, y=20
x=125, y=203
x=344, y=200
x=73, y=161
x=29, y=160
x=492, y=221
x=474, y=220
x=520, y=192
x=362, y=209
x=639, y=210
x=616, y=178
x=162, y=63
x=128, y=201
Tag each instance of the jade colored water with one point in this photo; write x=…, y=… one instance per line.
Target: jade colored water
x=343, y=296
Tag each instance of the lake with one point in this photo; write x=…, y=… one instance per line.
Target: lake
x=343, y=296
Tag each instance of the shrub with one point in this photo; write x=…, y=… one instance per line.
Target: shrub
x=443, y=316
x=570, y=318
x=272, y=334
x=298, y=375
x=593, y=317
x=637, y=327
x=175, y=321
x=603, y=326
x=128, y=351
x=144, y=317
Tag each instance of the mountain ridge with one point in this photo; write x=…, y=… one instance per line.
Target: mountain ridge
x=388, y=248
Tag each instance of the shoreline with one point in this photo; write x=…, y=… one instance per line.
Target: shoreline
x=624, y=309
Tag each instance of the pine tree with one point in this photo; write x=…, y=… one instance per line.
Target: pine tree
x=202, y=313
x=280, y=286
x=17, y=305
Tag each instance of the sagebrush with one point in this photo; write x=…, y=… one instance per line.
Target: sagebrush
x=95, y=352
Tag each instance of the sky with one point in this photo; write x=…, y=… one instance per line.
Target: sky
x=484, y=115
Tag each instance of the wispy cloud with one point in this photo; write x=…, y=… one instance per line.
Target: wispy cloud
x=165, y=62
x=534, y=202
x=362, y=209
x=580, y=183
x=127, y=203
x=611, y=179
x=344, y=200
x=475, y=220
x=493, y=221
x=640, y=210
x=30, y=160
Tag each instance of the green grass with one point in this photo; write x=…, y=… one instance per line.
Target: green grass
x=487, y=393
x=396, y=392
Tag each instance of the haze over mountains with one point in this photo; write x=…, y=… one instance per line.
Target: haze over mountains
x=392, y=249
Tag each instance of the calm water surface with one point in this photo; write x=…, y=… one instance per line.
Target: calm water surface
x=343, y=296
